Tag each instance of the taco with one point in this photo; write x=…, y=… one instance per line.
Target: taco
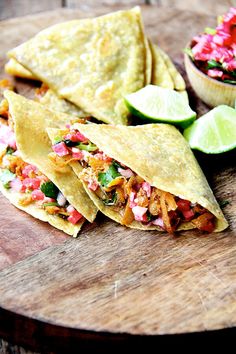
x=91, y=62
x=145, y=177
x=28, y=177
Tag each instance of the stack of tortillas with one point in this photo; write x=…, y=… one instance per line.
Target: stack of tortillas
x=89, y=65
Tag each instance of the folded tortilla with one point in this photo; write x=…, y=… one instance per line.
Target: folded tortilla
x=60, y=224
x=30, y=121
x=160, y=74
x=148, y=73
x=160, y=155
x=179, y=83
x=59, y=104
x=50, y=99
x=12, y=67
x=92, y=62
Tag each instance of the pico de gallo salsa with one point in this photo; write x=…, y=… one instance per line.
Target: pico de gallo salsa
x=214, y=51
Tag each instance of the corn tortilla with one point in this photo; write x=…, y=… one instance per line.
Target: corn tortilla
x=160, y=155
x=92, y=62
x=30, y=121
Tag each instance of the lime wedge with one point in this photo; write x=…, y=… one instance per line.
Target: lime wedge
x=214, y=132
x=158, y=104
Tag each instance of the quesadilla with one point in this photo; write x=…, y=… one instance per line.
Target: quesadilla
x=92, y=62
x=28, y=177
x=145, y=177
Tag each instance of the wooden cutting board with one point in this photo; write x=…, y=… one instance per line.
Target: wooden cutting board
x=114, y=279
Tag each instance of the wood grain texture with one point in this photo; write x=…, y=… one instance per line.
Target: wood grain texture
x=15, y=246
x=208, y=7
x=17, y=8
x=95, y=3
x=115, y=279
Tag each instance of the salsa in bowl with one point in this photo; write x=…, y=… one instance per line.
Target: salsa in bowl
x=210, y=61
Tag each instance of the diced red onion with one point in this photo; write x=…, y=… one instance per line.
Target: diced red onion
x=126, y=173
x=61, y=200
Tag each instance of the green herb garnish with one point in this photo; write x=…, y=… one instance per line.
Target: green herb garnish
x=49, y=189
x=9, y=150
x=116, y=164
x=230, y=82
x=209, y=30
x=213, y=64
x=110, y=201
x=150, y=217
x=6, y=177
x=233, y=73
x=108, y=176
x=223, y=203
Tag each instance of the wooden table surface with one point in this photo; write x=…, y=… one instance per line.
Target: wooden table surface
x=16, y=8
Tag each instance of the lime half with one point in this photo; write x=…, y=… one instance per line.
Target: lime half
x=214, y=132
x=158, y=104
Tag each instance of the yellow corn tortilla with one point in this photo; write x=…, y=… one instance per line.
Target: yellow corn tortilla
x=161, y=156
x=12, y=67
x=41, y=214
x=179, y=83
x=30, y=122
x=160, y=74
x=50, y=99
x=92, y=62
x=148, y=63
x=59, y=104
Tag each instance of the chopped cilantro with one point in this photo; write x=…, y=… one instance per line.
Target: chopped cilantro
x=6, y=177
x=112, y=200
x=10, y=150
x=49, y=189
x=233, y=73
x=116, y=164
x=223, y=203
x=213, y=64
x=230, y=82
x=108, y=176
x=150, y=217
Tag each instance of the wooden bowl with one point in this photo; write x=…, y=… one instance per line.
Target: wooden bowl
x=211, y=91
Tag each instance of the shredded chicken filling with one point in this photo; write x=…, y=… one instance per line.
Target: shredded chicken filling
x=124, y=191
